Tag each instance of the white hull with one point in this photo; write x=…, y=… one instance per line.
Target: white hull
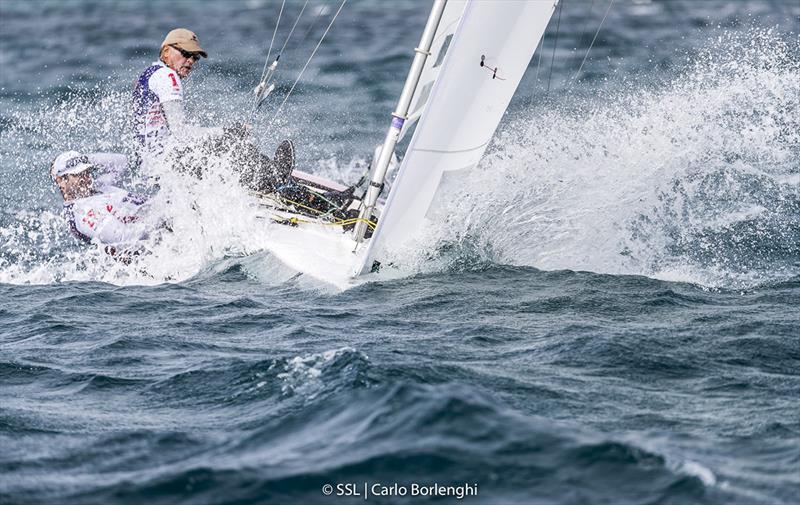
x=322, y=252
x=480, y=51
x=318, y=248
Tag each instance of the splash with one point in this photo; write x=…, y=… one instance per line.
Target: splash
x=211, y=219
x=695, y=181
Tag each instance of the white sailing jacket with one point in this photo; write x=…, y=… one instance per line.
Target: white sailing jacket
x=157, y=85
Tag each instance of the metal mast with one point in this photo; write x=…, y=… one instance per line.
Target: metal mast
x=399, y=117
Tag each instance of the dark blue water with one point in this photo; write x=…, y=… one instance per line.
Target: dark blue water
x=606, y=311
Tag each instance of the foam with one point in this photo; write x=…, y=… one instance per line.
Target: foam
x=693, y=179
x=303, y=374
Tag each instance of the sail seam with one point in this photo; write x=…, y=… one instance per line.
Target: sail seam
x=442, y=151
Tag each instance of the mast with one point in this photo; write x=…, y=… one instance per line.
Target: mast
x=399, y=117
x=480, y=69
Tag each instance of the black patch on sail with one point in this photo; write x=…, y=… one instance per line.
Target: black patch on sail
x=443, y=50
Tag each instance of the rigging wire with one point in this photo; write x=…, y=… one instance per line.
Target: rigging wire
x=540, y=48
x=275, y=32
x=264, y=88
x=300, y=75
x=575, y=78
x=292, y=30
x=568, y=81
x=539, y=64
x=586, y=24
x=555, y=44
x=320, y=10
x=271, y=42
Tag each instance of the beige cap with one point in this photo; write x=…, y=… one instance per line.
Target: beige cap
x=184, y=39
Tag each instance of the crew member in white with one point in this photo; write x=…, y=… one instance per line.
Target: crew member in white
x=158, y=93
x=97, y=211
x=159, y=115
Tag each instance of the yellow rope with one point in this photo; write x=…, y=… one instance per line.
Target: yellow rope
x=294, y=220
x=286, y=200
x=341, y=222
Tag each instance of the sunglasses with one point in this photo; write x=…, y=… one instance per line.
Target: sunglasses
x=187, y=54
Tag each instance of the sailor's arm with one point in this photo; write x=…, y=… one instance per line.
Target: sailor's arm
x=108, y=221
x=103, y=227
x=114, y=167
x=179, y=127
x=167, y=86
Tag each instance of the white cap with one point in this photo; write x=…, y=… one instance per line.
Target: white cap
x=70, y=162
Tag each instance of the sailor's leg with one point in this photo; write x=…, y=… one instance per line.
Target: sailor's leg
x=284, y=161
x=246, y=160
x=277, y=172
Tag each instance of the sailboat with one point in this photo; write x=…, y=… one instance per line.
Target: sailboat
x=469, y=62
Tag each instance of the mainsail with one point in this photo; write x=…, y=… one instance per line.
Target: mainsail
x=480, y=68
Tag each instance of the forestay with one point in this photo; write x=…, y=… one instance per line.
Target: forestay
x=480, y=70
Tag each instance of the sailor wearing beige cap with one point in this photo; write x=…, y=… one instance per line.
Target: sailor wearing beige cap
x=158, y=92
x=159, y=115
x=180, y=50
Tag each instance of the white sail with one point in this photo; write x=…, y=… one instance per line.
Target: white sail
x=441, y=43
x=486, y=59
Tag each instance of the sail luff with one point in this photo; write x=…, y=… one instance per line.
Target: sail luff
x=487, y=57
x=398, y=118
x=441, y=43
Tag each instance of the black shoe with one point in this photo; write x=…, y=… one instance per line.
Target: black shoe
x=273, y=174
x=283, y=162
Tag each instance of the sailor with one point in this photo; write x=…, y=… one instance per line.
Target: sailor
x=99, y=212
x=158, y=92
x=159, y=115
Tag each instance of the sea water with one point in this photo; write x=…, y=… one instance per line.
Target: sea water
x=604, y=311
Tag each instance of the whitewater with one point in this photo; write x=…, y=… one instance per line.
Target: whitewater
x=604, y=311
